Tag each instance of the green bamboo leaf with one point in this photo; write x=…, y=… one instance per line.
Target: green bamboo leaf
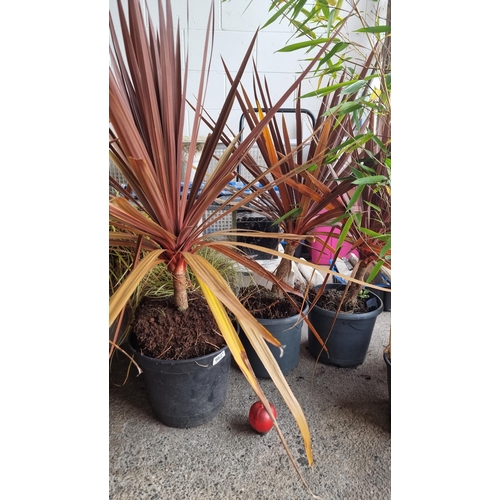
x=298, y=8
x=277, y=14
x=303, y=30
x=334, y=15
x=355, y=197
x=338, y=151
x=344, y=108
x=358, y=174
x=338, y=47
x=345, y=230
x=332, y=68
x=359, y=84
x=372, y=205
x=386, y=248
x=331, y=19
x=374, y=29
x=337, y=10
x=369, y=232
x=353, y=143
x=383, y=237
x=301, y=45
x=365, y=168
x=325, y=90
x=375, y=271
x=351, y=89
x=290, y=214
x=372, y=179
x=380, y=144
x=302, y=26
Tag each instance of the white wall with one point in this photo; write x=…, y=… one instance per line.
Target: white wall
x=236, y=21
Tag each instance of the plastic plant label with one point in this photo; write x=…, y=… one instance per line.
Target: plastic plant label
x=218, y=357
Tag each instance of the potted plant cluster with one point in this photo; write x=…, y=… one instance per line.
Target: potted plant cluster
x=367, y=226
x=159, y=215
x=311, y=196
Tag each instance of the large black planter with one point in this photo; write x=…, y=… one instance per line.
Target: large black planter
x=350, y=337
x=382, y=281
x=186, y=393
x=288, y=332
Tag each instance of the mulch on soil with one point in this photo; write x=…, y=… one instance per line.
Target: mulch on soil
x=330, y=300
x=162, y=331
x=264, y=304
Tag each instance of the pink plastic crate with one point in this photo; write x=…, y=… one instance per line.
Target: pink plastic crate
x=323, y=258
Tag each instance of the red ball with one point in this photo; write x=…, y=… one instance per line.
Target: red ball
x=259, y=418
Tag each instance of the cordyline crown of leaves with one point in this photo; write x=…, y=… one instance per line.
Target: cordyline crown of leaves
x=318, y=167
x=157, y=214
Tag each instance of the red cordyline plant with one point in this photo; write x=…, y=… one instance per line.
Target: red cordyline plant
x=157, y=214
x=320, y=177
x=366, y=97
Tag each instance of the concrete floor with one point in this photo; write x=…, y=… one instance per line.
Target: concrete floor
x=349, y=416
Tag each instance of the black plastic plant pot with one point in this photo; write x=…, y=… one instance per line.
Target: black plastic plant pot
x=186, y=393
x=288, y=332
x=384, y=296
x=350, y=337
x=257, y=222
x=387, y=301
x=300, y=251
x=382, y=281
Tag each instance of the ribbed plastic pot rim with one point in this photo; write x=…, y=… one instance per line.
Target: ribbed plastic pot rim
x=351, y=316
x=199, y=359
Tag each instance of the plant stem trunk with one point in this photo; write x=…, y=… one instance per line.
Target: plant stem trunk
x=355, y=288
x=180, y=291
x=284, y=268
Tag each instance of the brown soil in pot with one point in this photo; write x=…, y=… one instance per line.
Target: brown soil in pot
x=264, y=304
x=330, y=300
x=163, y=332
